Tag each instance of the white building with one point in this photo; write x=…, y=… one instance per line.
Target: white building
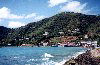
x=89, y=43
x=86, y=36
x=46, y=33
x=44, y=43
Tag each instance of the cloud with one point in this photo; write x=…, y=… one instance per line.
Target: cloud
x=5, y=13
x=70, y=6
x=31, y=15
x=37, y=18
x=15, y=24
x=0, y=20
x=53, y=3
x=75, y=6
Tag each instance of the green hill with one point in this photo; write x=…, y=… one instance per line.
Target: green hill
x=71, y=24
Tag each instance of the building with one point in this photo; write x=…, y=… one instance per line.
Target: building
x=64, y=41
x=89, y=44
x=67, y=39
x=46, y=33
x=44, y=43
x=27, y=45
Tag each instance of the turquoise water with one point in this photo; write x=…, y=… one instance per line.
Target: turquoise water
x=37, y=55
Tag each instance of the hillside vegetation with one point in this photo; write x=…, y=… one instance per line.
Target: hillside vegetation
x=71, y=24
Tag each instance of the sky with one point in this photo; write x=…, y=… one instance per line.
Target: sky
x=17, y=13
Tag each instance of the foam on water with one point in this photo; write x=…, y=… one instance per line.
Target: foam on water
x=47, y=55
x=16, y=57
x=38, y=56
x=30, y=60
x=69, y=57
x=78, y=53
x=50, y=62
x=45, y=59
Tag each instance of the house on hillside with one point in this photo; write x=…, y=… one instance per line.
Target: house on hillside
x=27, y=45
x=64, y=41
x=44, y=43
x=89, y=44
x=46, y=33
x=67, y=39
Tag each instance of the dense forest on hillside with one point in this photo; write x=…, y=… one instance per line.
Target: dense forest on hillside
x=71, y=24
x=4, y=32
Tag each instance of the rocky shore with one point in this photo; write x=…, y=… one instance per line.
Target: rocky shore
x=88, y=58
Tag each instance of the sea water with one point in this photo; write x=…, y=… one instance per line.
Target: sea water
x=38, y=55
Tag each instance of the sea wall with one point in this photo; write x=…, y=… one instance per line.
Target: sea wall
x=88, y=58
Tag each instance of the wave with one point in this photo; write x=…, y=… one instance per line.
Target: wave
x=50, y=62
x=46, y=55
x=16, y=57
x=69, y=57
x=78, y=53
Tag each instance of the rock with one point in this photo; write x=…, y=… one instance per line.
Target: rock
x=95, y=52
x=89, y=58
x=71, y=62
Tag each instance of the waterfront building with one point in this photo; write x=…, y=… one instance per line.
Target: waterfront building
x=89, y=43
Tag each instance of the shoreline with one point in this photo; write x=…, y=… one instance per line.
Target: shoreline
x=90, y=57
x=73, y=56
x=42, y=46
